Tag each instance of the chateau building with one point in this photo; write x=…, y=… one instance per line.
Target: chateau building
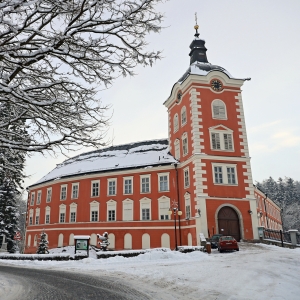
x=135, y=191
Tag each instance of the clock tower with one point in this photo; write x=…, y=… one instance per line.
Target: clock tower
x=207, y=134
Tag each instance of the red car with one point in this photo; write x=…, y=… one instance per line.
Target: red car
x=227, y=243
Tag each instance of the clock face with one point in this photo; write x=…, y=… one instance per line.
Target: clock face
x=216, y=85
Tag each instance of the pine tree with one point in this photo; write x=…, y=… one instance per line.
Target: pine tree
x=43, y=244
x=9, y=214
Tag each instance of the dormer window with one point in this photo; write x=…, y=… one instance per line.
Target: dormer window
x=219, y=110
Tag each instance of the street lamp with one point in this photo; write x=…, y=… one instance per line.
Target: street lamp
x=175, y=211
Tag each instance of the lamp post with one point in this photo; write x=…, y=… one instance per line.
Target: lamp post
x=178, y=212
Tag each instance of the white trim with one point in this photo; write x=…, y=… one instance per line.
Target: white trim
x=128, y=178
x=175, y=123
x=189, y=179
x=164, y=211
x=183, y=109
x=95, y=206
x=212, y=110
x=39, y=197
x=49, y=189
x=224, y=173
x=159, y=175
x=61, y=188
x=111, y=205
x=128, y=202
x=111, y=180
x=141, y=185
x=92, y=182
x=146, y=204
x=184, y=137
x=75, y=184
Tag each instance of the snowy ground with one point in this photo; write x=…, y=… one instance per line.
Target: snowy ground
x=257, y=271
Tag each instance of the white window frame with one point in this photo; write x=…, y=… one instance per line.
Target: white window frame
x=221, y=137
x=184, y=139
x=32, y=196
x=111, y=180
x=145, y=203
x=94, y=206
x=215, y=103
x=224, y=173
x=39, y=197
x=168, y=181
x=73, y=186
x=62, y=210
x=61, y=192
x=92, y=188
x=111, y=205
x=164, y=211
x=49, y=195
x=30, y=220
x=147, y=176
x=37, y=215
x=47, y=213
x=73, y=209
x=124, y=188
x=186, y=177
x=128, y=215
x=183, y=111
x=187, y=206
x=176, y=122
x=177, y=149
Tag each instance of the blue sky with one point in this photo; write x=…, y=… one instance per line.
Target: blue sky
x=257, y=39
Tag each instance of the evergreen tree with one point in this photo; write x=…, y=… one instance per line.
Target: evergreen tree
x=9, y=214
x=11, y=179
x=43, y=244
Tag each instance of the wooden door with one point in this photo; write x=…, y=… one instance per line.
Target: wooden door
x=228, y=222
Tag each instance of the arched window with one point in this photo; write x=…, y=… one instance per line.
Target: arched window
x=35, y=240
x=127, y=241
x=189, y=238
x=219, y=109
x=175, y=122
x=71, y=239
x=29, y=240
x=60, y=240
x=183, y=116
x=165, y=240
x=93, y=240
x=185, y=149
x=145, y=241
x=111, y=239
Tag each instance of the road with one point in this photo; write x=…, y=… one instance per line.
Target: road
x=23, y=283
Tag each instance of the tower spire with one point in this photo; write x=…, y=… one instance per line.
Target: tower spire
x=196, y=26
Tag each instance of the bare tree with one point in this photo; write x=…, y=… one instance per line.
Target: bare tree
x=54, y=56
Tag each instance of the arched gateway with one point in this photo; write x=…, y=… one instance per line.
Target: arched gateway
x=228, y=222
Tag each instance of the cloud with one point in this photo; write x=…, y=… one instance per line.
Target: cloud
x=264, y=126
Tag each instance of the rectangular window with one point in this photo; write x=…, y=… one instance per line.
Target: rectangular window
x=215, y=139
x=186, y=178
x=63, y=192
x=62, y=218
x=32, y=199
x=112, y=187
x=75, y=189
x=188, y=212
x=185, y=146
x=145, y=214
x=39, y=196
x=30, y=220
x=127, y=186
x=111, y=215
x=163, y=183
x=228, y=141
x=127, y=210
x=95, y=188
x=73, y=217
x=94, y=216
x=225, y=174
x=177, y=149
x=145, y=183
x=218, y=174
x=47, y=220
x=49, y=194
x=231, y=175
x=37, y=220
x=164, y=207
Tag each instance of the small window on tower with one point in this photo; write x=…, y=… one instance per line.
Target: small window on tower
x=219, y=110
x=176, y=123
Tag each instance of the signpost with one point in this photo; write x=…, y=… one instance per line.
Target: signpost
x=82, y=242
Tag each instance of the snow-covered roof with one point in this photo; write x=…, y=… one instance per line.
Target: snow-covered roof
x=140, y=154
x=202, y=69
